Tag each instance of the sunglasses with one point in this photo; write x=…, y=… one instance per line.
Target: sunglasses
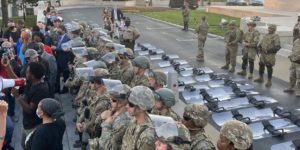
x=131, y=104
x=114, y=101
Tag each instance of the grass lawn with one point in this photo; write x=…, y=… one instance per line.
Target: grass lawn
x=175, y=16
x=29, y=22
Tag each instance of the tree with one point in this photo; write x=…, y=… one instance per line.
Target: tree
x=4, y=12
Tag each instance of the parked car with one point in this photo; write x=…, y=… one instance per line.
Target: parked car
x=236, y=3
x=257, y=3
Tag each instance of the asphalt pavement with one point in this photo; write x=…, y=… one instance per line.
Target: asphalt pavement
x=173, y=41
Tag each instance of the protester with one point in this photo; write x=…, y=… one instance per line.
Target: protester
x=3, y=115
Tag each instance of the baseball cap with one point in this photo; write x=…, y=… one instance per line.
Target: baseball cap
x=31, y=53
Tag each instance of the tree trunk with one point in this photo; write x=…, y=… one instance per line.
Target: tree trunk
x=4, y=12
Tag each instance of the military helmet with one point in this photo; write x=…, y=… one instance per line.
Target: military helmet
x=100, y=72
x=198, y=113
x=141, y=62
x=182, y=141
x=127, y=53
x=238, y=133
x=92, y=52
x=166, y=96
x=272, y=26
x=142, y=97
x=159, y=76
x=232, y=23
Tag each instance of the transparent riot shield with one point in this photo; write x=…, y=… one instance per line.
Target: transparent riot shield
x=113, y=85
x=187, y=80
x=109, y=58
x=165, y=127
x=195, y=71
x=119, y=48
x=276, y=127
x=222, y=93
x=85, y=72
x=137, y=48
x=79, y=51
x=203, y=78
x=290, y=145
x=166, y=70
x=146, y=46
x=91, y=63
x=66, y=46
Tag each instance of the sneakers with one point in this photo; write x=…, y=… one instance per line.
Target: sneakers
x=242, y=73
x=259, y=80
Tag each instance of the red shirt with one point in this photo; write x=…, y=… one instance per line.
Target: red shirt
x=48, y=49
x=3, y=72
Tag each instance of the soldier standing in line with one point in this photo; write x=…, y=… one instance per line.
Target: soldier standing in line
x=164, y=100
x=231, y=38
x=235, y=135
x=140, y=65
x=202, y=31
x=296, y=29
x=130, y=34
x=250, y=42
x=157, y=79
x=195, y=118
x=126, y=69
x=268, y=47
x=140, y=133
x=186, y=17
x=294, y=84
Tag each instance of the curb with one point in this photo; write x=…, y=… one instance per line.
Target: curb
x=179, y=26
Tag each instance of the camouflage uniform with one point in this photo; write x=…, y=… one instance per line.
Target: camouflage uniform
x=249, y=51
x=77, y=42
x=238, y=133
x=112, y=133
x=186, y=17
x=53, y=35
x=126, y=74
x=199, y=115
x=268, y=47
x=295, y=69
x=98, y=105
x=140, y=135
x=140, y=62
x=231, y=38
x=130, y=34
x=296, y=29
x=202, y=31
x=139, y=80
x=114, y=70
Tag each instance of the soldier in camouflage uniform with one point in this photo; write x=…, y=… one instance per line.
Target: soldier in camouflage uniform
x=195, y=118
x=235, y=135
x=157, y=79
x=250, y=42
x=173, y=143
x=296, y=30
x=140, y=133
x=140, y=64
x=201, y=31
x=164, y=100
x=268, y=47
x=294, y=84
x=115, y=122
x=112, y=61
x=76, y=40
x=126, y=70
x=231, y=38
x=99, y=104
x=129, y=34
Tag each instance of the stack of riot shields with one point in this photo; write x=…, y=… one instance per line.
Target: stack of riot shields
x=229, y=98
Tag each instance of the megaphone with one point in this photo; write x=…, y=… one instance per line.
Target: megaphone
x=7, y=83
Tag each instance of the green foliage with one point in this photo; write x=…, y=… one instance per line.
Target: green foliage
x=175, y=16
x=29, y=22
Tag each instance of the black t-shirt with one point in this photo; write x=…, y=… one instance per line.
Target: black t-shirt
x=49, y=136
x=34, y=95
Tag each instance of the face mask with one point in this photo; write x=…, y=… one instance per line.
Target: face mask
x=37, y=113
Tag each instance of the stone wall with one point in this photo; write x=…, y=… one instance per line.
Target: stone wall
x=286, y=5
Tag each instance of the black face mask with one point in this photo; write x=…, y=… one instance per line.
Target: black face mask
x=127, y=23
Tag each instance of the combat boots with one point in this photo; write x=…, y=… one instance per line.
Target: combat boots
x=242, y=73
x=225, y=67
x=250, y=77
x=290, y=89
x=269, y=83
x=200, y=58
x=259, y=80
x=232, y=70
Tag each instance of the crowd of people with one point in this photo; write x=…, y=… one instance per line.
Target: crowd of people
x=118, y=97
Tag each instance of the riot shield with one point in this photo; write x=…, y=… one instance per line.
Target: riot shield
x=113, y=85
x=290, y=145
x=195, y=71
x=109, y=58
x=165, y=127
x=187, y=80
x=79, y=51
x=91, y=63
x=146, y=46
x=66, y=46
x=85, y=72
